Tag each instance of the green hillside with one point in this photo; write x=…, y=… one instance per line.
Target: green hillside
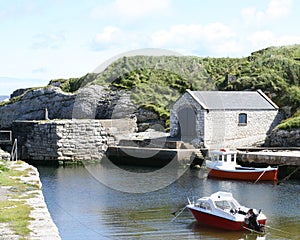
x=156, y=82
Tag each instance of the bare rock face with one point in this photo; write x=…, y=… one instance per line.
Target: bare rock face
x=283, y=138
x=90, y=102
x=32, y=105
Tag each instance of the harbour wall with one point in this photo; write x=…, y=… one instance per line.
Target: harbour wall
x=67, y=140
x=288, y=161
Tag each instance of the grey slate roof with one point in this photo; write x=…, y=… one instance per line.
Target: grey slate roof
x=225, y=100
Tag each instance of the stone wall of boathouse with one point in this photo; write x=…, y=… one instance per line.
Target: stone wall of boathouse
x=221, y=128
x=68, y=139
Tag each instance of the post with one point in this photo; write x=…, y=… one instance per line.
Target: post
x=46, y=114
x=14, y=151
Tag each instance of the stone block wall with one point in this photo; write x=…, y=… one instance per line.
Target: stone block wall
x=61, y=139
x=68, y=139
x=223, y=129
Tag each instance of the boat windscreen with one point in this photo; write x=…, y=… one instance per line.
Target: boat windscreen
x=226, y=204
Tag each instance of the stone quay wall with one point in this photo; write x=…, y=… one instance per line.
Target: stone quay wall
x=61, y=140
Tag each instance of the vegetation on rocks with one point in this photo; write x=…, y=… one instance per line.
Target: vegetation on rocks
x=155, y=82
x=291, y=123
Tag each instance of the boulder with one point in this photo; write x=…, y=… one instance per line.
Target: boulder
x=283, y=138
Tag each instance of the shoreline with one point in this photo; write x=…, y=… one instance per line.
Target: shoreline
x=41, y=225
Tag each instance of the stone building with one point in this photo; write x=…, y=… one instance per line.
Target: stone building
x=230, y=119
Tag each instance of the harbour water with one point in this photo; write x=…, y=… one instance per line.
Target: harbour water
x=84, y=208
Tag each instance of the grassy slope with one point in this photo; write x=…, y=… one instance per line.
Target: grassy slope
x=156, y=82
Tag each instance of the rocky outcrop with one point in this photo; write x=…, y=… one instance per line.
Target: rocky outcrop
x=32, y=105
x=283, y=138
x=91, y=102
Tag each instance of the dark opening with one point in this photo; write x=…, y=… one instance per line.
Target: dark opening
x=187, y=123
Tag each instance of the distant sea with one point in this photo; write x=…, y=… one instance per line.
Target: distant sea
x=3, y=98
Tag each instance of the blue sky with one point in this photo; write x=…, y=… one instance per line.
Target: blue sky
x=43, y=40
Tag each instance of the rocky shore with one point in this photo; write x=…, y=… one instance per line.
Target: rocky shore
x=41, y=225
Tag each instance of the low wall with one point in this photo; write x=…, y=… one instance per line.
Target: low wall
x=60, y=140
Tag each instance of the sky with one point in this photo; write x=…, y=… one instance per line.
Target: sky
x=49, y=39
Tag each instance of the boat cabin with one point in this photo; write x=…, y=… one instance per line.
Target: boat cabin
x=220, y=200
x=223, y=157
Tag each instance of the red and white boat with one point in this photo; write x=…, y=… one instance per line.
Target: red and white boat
x=221, y=210
x=222, y=164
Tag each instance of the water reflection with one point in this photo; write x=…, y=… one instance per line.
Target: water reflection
x=84, y=208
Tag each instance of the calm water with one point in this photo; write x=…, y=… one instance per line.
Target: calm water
x=83, y=208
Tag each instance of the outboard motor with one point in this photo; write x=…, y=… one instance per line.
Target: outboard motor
x=253, y=224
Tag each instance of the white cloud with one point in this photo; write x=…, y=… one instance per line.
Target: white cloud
x=48, y=40
x=115, y=38
x=276, y=9
x=193, y=33
x=196, y=36
x=264, y=39
x=251, y=14
x=128, y=10
x=109, y=35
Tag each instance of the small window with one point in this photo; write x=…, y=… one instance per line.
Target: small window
x=242, y=119
x=204, y=205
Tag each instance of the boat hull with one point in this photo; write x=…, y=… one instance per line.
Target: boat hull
x=268, y=175
x=219, y=222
